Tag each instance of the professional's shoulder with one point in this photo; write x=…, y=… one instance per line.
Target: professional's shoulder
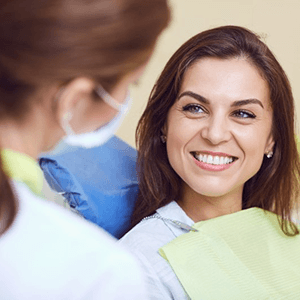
x=69, y=253
x=56, y=219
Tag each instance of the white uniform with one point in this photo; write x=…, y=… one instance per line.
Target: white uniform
x=50, y=253
x=144, y=241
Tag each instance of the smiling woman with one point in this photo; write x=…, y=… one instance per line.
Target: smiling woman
x=225, y=66
x=218, y=131
x=216, y=140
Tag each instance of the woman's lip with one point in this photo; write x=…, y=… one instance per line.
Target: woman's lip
x=210, y=167
x=213, y=153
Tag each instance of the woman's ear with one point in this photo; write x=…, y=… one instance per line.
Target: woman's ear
x=270, y=144
x=164, y=130
x=71, y=96
x=163, y=135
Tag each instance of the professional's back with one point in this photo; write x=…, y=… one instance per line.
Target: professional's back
x=50, y=253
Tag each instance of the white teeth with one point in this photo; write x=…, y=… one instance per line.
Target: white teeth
x=221, y=160
x=214, y=160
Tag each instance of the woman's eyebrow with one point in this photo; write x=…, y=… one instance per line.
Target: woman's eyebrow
x=234, y=104
x=195, y=96
x=246, y=101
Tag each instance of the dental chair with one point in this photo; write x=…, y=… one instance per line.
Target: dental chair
x=99, y=183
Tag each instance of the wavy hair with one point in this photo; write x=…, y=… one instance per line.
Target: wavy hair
x=275, y=187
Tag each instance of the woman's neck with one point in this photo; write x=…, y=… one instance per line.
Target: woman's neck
x=200, y=208
x=21, y=138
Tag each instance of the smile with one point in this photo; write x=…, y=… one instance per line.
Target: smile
x=216, y=160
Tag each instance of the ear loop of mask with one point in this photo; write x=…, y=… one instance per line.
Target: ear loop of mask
x=108, y=99
x=65, y=123
x=101, y=92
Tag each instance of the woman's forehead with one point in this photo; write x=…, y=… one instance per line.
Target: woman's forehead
x=231, y=79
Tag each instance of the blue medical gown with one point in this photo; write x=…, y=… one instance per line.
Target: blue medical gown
x=100, y=183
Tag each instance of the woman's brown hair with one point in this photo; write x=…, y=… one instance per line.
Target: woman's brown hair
x=51, y=42
x=276, y=185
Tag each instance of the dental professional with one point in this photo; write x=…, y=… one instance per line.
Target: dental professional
x=65, y=69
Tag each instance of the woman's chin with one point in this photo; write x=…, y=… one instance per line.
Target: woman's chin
x=216, y=190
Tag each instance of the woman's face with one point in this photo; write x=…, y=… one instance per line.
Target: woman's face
x=219, y=128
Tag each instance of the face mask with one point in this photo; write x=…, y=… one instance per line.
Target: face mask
x=104, y=133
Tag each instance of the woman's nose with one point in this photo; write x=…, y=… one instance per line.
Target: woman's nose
x=216, y=130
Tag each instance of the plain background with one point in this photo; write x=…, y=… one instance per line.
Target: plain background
x=277, y=21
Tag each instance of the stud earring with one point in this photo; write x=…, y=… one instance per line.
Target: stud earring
x=163, y=138
x=270, y=154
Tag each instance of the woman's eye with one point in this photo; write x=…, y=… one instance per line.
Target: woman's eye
x=193, y=108
x=244, y=114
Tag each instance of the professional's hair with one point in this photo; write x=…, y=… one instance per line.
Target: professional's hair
x=276, y=185
x=51, y=42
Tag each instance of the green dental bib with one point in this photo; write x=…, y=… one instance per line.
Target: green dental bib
x=240, y=256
